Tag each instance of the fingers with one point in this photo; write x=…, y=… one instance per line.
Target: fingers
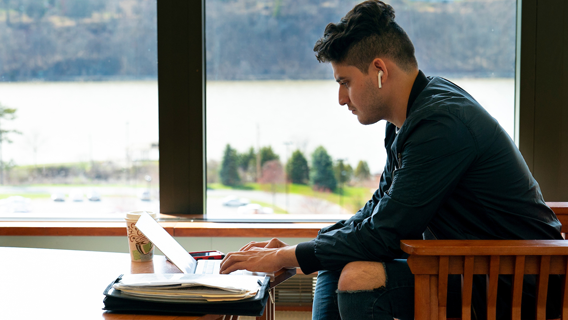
x=231, y=268
x=256, y=259
x=275, y=243
x=272, y=243
x=253, y=244
x=231, y=262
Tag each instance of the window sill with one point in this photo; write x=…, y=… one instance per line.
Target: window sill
x=177, y=228
x=190, y=228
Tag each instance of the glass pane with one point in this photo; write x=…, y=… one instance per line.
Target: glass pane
x=269, y=102
x=79, y=113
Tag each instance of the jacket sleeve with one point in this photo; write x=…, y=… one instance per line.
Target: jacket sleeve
x=433, y=159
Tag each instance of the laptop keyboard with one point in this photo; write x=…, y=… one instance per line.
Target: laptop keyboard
x=208, y=267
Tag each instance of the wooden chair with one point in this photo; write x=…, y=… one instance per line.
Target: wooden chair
x=431, y=261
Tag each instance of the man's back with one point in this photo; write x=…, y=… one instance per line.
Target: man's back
x=493, y=194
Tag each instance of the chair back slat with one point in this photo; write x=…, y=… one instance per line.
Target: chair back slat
x=422, y=297
x=542, y=288
x=467, y=287
x=517, y=288
x=492, y=282
x=434, y=312
x=443, y=286
x=565, y=293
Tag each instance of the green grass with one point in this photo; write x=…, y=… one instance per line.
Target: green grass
x=220, y=186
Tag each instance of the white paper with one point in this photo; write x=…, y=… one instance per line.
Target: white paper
x=168, y=281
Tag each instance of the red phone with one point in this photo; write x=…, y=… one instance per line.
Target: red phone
x=208, y=255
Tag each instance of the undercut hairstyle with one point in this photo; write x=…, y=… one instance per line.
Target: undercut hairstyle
x=366, y=32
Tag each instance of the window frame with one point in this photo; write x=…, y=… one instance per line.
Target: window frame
x=181, y=99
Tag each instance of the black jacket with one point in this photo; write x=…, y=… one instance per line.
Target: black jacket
x=452, y=172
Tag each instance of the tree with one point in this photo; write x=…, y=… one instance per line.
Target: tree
x=246, y=159
x=247, y=165
x=297, y=168
x=343, y=172
x=321, y=172
x=5, y=114
x=266, y=154
x=272, y=173
x=229, y=167
x=362, y=172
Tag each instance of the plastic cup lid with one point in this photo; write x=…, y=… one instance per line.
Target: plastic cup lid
x=134, y=215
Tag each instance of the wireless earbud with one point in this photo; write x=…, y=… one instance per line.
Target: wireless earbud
x=380, y=76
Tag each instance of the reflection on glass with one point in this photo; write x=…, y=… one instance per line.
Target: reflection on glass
x=79, y=107
x=279, y=144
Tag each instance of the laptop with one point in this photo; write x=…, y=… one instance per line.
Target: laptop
x=173, y=250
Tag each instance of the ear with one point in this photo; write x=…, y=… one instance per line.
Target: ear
x=376, y=66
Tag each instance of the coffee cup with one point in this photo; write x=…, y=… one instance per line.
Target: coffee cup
x=141, y=249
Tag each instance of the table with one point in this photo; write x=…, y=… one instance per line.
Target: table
x=69, y=284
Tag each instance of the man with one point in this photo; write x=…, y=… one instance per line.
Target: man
x=451, y=172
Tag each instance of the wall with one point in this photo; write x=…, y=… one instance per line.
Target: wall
x=543, y=117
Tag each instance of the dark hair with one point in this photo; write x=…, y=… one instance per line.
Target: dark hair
x=366, y=32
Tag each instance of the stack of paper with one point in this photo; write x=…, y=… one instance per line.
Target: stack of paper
x=190, y=287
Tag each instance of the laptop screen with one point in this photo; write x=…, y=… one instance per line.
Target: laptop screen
x=166, y=243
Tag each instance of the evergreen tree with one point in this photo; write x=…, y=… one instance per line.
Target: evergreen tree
x=229, y=167
x=247, y=160
x=247, y=165
x=266, y=154
x=321, y=172
x=362, y=172
x=343, y=172
x=297, y=168
x=349, y=172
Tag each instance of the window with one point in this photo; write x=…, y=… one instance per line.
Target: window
x=79, y=100
x=272, y=110
x=182, y=97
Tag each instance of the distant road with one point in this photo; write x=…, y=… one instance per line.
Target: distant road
x=117, y=200
x=293, y=203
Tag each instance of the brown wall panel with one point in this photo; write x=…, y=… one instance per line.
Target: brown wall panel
x=544, y=116
x=526, y=76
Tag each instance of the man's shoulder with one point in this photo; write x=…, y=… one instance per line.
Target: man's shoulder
x=441, y=92
x=445, y=109
x=442, y=99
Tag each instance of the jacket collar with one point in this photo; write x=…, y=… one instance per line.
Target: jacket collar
x=419, y=84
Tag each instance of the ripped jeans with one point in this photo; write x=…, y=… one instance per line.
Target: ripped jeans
x=395, y=300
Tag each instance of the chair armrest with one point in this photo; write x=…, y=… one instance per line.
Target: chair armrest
x=484, y=247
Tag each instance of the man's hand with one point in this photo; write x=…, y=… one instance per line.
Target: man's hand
x=267, y=256
x=272, y=243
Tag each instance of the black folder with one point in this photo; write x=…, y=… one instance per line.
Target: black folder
x=115, y=301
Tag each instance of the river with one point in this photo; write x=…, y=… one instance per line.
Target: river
x=81, y=121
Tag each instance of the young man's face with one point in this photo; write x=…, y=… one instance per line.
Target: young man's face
x=360, y=93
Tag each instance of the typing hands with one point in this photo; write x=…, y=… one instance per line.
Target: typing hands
x=266, y=256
